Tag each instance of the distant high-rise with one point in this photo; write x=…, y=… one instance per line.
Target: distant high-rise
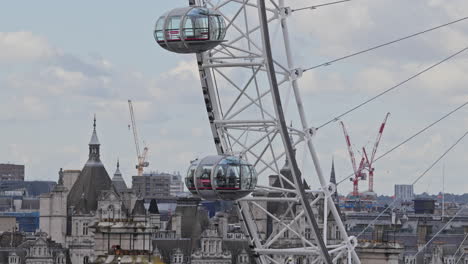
x=404, y=192
x=157, y=185
x=177, y=184
x=11, y=172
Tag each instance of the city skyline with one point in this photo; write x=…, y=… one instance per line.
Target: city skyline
x=55, y=76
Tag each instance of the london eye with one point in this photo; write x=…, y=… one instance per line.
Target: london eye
x=246, y=79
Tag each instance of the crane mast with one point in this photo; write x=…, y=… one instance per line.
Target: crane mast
x=358, y=174
x=369, y=162
x=141, y=158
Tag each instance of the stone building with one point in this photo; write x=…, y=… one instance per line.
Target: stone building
x=190, y=237
x=97, y=213
x=17, y=248
x=53, y=211
x=211, y=250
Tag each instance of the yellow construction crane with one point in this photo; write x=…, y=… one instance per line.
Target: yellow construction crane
x=141, y=157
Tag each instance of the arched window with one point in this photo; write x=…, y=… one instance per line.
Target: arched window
x=86, y=260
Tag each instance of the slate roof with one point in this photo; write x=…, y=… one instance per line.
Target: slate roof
x=118, y=181
x=153, y=208
x=139, y=208
x=92, y=180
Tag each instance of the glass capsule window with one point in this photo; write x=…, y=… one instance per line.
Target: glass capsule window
x=159, y=31
x=189, y=180
x=233, y=174
x=173, y=28
x=196, y=26
x=204, y=177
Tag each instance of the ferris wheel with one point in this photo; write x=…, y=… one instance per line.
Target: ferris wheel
x=251, y=92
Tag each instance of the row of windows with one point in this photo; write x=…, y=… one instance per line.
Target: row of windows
x=16, y=260
x=211, y=246
x=39, y=251
x=447, y=260
x=178, y=258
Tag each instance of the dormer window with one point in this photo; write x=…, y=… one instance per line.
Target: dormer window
x=178, y=258
x=13, y=259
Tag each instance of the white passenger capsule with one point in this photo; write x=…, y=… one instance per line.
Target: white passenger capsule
x=221, y=178
x=190, y=30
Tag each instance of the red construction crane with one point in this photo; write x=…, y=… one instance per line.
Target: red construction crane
x=369, y=162
x=358, y=171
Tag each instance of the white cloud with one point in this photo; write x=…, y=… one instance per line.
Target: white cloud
x=374, y=79
x=186, y=70
x=23, y=46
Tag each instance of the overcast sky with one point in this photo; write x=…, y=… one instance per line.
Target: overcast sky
x=61, y=62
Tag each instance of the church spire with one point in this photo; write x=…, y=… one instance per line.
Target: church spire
x=332, y=174
x=291, y=139
x=94, y=144
x=118, y=180
x=333, y=180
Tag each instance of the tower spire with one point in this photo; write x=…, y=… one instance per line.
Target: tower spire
x=333, y=180
x=94, y=144
x=332, y=174
x=117, y=171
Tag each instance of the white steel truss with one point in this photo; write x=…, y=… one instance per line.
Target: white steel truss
x=247, y=81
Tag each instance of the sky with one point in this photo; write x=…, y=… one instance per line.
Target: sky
x=63, y=62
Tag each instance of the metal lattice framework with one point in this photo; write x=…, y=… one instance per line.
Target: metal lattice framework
x=248, y=81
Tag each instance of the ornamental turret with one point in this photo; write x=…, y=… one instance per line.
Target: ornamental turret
x=94, y=145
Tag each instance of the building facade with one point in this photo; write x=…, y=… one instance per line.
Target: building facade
x=404, y=192
x=191, y=237
x=11, y=172
x=98, y=214
x=156, y=185
x=16, y=248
